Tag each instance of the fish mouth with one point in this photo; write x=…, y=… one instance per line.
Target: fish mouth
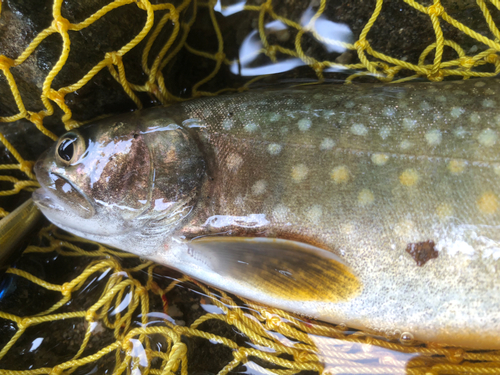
x=42, y=199
x=60, y=194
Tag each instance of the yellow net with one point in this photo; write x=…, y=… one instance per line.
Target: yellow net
x=276, y=341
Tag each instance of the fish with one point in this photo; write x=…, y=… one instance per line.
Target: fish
x=376, y=206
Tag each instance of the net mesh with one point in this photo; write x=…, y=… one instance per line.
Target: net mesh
x=277, y=341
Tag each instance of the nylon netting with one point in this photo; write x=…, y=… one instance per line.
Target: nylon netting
x=288, y=339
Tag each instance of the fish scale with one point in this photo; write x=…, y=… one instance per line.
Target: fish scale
x=385, y=199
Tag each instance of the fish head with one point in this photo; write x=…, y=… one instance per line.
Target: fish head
x=101, y=181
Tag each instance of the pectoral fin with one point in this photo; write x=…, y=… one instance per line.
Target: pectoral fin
x=281, y=268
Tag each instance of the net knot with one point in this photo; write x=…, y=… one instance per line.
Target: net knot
x=232, y=317
x=272, y=322
x=56, y=96
x=61, y=24
x=467, y=62
x=35, y=118
x=174, y=16
x=267, y=6
x=90, y=316
x=5, y=62
x=153, y=88
x=361, y=45
x=113, y=57
x=492, y=58
x=240, y=354
x=24, y=323
x=56, y=370
x=26, y=166
x=66, y=290
x=140, y=5
x=435, y=10
x=220, y=56
x=436, y=77
x=302, y=356
x=317, y=67
x=271, y=52
x=141, y=291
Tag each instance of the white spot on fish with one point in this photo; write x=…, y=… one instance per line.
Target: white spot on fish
x=365, y=197
x=259, y=187
x=456, y=166
x=460, y=132
x=405, y=145
x=456, y=112
x=274, y=149
x=304, y=124
x=389, y=112
x=207, y=112
x=327, y=144
x=239, y=201
x=365, y=109
x=227, y=124
x=409, y=124
x=444, y=211
x=299, y=172
x=488, y=103
x=314, y=213
x=251, y=127
x=359, y=129
x=384, y=132
x=490, y=92
x=409, y=177
x=441, y=98
x=433, y=137
x=340, y=174
x=280, y=212
x=487, y=137
x=274, y=117
x=380, y=159
x=347, y=228
x=480, y=84
x=424, y=106
x=234, y=162
x=349, y=104
x=404, y=229
x=474, y=118
x=496, y=168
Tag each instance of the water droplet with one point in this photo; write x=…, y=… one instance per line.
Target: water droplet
x=406, y=338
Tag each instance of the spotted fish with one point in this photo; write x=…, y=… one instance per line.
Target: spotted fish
x=377, y=206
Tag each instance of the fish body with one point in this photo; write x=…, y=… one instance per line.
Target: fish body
x=395, y=187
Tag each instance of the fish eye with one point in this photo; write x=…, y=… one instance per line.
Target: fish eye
x=66, y=149
x=69, y=148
